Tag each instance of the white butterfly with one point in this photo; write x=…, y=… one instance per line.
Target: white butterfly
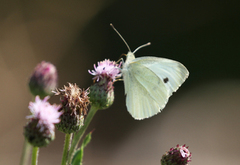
x=149, y=82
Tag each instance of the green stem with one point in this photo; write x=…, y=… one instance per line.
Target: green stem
x=66, y=148
x=35, y=155
x=25, y=153
x=78, y=135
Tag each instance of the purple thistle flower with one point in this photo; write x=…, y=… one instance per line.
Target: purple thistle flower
x=101, y=92
x=180, y=155
x=39, y=131
x=46, y=113
x=106, y=68
x=184, y=152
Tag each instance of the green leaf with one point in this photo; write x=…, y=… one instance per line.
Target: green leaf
x=87, y=139
x=78, y=155
x=77, y=158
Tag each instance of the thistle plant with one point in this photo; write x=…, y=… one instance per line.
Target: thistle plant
x=101, y=96
x=41, y=82
x=39, y=131
x=74, y=112
x=74, y=103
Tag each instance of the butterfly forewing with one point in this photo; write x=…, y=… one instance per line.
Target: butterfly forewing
x=172, y=73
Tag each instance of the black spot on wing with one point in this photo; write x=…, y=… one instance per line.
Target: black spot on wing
x=165, y=80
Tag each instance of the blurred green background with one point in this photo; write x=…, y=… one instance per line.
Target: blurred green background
x=75, y=34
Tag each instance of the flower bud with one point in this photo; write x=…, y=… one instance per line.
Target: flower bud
x=75, y=103
x=179, y=155
x=43, y=80
x=39, y=131
x=102, y=91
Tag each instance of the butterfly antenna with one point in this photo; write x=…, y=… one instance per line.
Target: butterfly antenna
x=120, y=36
x=147, y=44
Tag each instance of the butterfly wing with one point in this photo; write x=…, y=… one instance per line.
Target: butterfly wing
x=149, y=82
x=171, y=72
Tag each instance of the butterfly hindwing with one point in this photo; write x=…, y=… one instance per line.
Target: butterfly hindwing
x=146, y=93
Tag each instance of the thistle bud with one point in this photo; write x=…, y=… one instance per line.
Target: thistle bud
x=75, y=103
x=39, y=131
x=179, y=155
x=43, y=79
x=102, y=91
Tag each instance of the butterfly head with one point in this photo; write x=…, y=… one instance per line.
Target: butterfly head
x=130, y=57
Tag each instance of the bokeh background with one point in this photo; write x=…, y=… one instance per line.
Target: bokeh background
x=75, y=34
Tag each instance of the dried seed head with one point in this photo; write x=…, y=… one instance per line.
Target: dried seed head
x=74, y=98
x=75, y=103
